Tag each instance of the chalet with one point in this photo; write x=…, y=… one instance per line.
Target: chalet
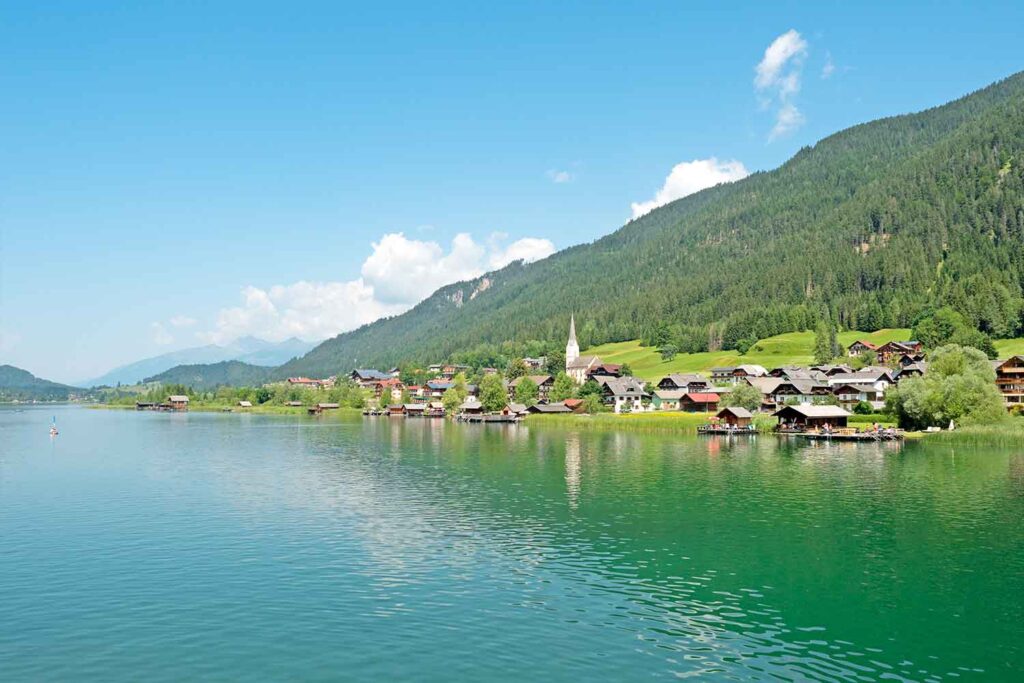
x=733, y=375
x=434, y=369
x=450, y=370
x=684, y=382
x=434, y=409
x=389, y=389
x=698, y=402
x=880, y=378
x=245, y=404
x=735, y=416
x=777, y=391
x=666, y=399
x=321, y=407
x=437, y=387
x=535, y=363
x=803, y=417
x=910, y=359
x=544, y=384
x=177, y=402
x=471, y=406
x=850, y=394
x=860, y=346
x=793, y=372
x=829, y=370
x=548, y=408
x=893, y=350
x=912, y=369
x=1010, y=380
x=604, y=370
x=367, y=378
x=624, y=394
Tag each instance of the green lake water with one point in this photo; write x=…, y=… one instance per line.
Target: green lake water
x=165, y=547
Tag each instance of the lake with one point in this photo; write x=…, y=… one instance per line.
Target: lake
x=155, y=546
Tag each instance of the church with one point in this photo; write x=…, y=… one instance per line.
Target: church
x=577, y=366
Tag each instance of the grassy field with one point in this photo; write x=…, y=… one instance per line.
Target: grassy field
x=1010, y=347
x=793, y=348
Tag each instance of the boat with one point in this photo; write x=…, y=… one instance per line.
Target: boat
x=53, y=427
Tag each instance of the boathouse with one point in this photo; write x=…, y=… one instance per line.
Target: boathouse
x=698, y=402
x=177, y=402
x=803, y=417
x=735, y=416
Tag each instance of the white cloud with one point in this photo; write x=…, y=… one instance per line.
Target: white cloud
x=689, y=177
x=829, y=68
x=399, y=273
x=777, y=79
x=558, y=177
x=182, y=321
x=161, y=336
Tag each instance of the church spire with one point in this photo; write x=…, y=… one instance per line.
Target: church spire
x=572, y=348
x=572, y=329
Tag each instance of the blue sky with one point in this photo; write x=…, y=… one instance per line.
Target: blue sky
x=178, y=173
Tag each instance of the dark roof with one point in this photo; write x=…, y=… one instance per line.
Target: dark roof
x=549, y=408
x=369, y=373
x=736, y=411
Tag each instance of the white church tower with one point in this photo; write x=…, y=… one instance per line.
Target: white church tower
x=572, y=348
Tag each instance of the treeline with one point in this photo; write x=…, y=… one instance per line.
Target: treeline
x=345, y=393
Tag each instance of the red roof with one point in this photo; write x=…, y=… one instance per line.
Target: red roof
x=703, y=398
x=868, y=344
x=572, y=402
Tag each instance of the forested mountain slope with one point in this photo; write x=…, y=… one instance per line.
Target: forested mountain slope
x=210, y=375
x=21, y=385
x=870, y=226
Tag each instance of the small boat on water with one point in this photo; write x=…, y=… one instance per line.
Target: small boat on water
x=53, y=427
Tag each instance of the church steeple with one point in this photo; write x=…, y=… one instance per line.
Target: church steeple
x=572, y=348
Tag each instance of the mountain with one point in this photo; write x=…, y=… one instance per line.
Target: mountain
x=211, y=375
x=22, y=385
x=870, y=227
x=246, y=349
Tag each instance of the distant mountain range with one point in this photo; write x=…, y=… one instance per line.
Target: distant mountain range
x=248, y=350
x=21, y=385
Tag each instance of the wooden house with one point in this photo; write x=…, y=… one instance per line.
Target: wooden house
x=691, y=382
x=804, y=417
x=698, y=402
x=544, y=384
x=177, y=402
x=321, y=407
x=891, y=351
x=735, y=416
x=860, y=346
x=1010, y=380
x=245, y=404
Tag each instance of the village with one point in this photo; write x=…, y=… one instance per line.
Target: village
x=817, y=401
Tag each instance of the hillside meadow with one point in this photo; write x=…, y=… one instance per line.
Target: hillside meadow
x=792, y=348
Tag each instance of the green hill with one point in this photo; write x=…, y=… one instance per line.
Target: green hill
x=211, y=375
x=792, y=348
x=21, y=385
x=870, y=226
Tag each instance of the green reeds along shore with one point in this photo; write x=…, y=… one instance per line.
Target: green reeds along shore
x=1010, y=432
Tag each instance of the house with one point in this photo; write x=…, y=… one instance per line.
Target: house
x=543, y=382
x=434, y=409
x=892, y=350
x=666, y=399
x=450, y=370
x=471, y=406
x=623, y=394
x=604, y=370
x=245, y=404
x=574, y=404
x=548, y=408
x=1010, y=380
x=415, y=409
x=735, y=416
x=177, y=402
x=829, y=370
x=535, y=363
x=803, y=417
x=880, y=378
x=389, y=389
x=777, y=391
x=849, y=395
x=685, y=382
x=434, y=369
x=698, y=402
x=437, y=387
x=366, y=378
x=910, y=359
x=860, y=346
x=396, y=410
x=797, y=373
x=732, y=375
x=490, y=371
x=912, y=369
x=305, y=382
x=395, y=372
x=321, y=407
x=515, y=409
